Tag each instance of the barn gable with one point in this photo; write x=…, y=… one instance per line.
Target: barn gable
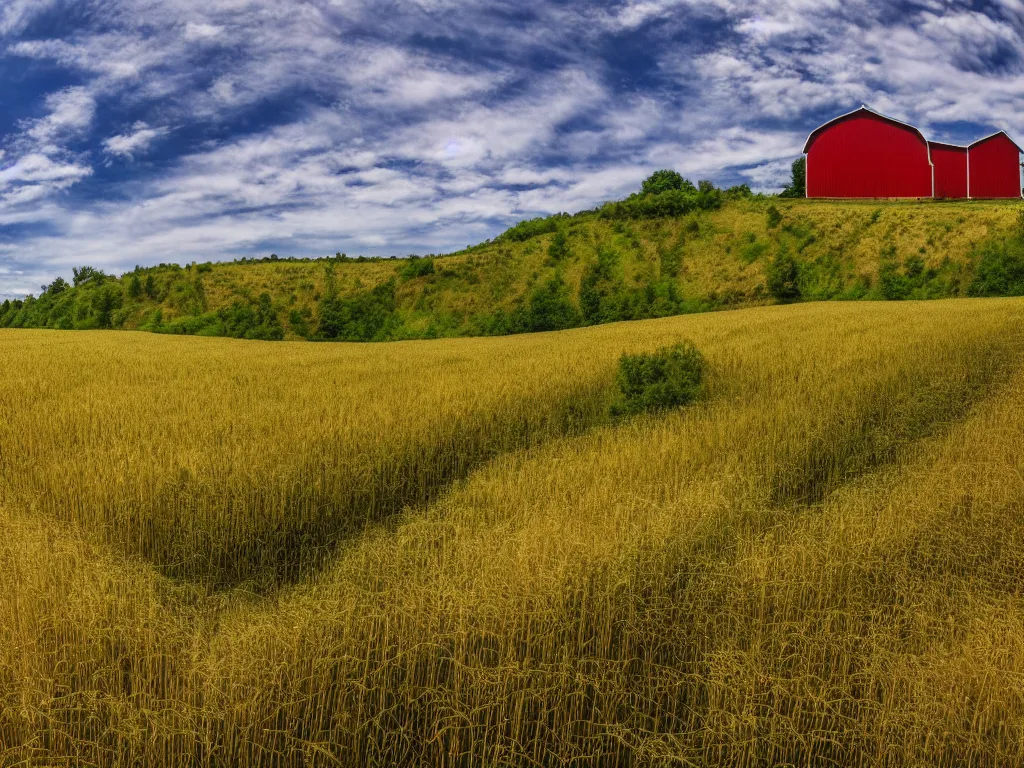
x=865, y=154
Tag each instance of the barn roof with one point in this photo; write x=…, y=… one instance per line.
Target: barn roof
x=947, y=145
x=994, y=135
x=864, y=109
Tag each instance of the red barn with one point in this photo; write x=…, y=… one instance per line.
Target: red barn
x=865, y=154
x=950, y=163
x=994, y=167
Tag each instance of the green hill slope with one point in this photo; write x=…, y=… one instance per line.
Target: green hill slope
x=625, y=261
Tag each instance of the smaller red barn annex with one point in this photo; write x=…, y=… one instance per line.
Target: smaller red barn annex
x=865, y=154
x=950, y=164
x=994, y=164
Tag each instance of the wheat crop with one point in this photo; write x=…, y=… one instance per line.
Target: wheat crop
x=443, y=553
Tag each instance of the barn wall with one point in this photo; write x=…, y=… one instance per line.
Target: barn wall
x=995, y=169
x=867, y=156
x=950, y=171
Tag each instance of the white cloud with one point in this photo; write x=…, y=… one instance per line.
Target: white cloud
x=71, y=113
x=14, y=14
x=130, y=145
x=196, y=32
x=39, y=168
x=324, y=125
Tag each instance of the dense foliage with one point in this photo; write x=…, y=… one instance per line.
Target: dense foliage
x=674, y=247
x=658, y=381
x=666, y=181
x=1000, y=269
x=367, y=315
x=664, y=195
x=531, y=228
x=797, y=187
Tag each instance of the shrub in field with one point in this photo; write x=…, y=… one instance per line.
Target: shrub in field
x=669, y=378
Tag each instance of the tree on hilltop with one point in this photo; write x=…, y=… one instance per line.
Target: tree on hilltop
x=86, y=274
x=797, y=187
x=666, y=181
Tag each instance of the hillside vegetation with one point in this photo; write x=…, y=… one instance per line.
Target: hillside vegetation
x=659, y=253
x=454, y=553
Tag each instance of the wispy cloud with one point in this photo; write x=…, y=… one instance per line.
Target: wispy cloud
x=172, y=130
x=133, y=143
x=70, y=113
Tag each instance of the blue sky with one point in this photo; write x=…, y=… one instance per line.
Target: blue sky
x=147, y=131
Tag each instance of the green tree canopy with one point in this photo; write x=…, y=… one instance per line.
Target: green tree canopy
x=797, y=187
x=85, y=274
x=666, y=181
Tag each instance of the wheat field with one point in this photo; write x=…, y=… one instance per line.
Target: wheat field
x=224, y=553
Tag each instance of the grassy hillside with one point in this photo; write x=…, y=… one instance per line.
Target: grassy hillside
x=617, y=263
x=448, y=553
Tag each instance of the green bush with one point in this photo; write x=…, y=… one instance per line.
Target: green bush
x=669, y=378
x=559, y=247
x=753, y=251
x=605, y=298
x=244, y=320
x=739, y=192
x=365, y=316
x=527, y=230
x=106, y=301
x=782, y=277
x=1000, y=270
x=669, y=204
x=597, y=284
x=551, y=307
x=417, y=267
x=671, y=257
